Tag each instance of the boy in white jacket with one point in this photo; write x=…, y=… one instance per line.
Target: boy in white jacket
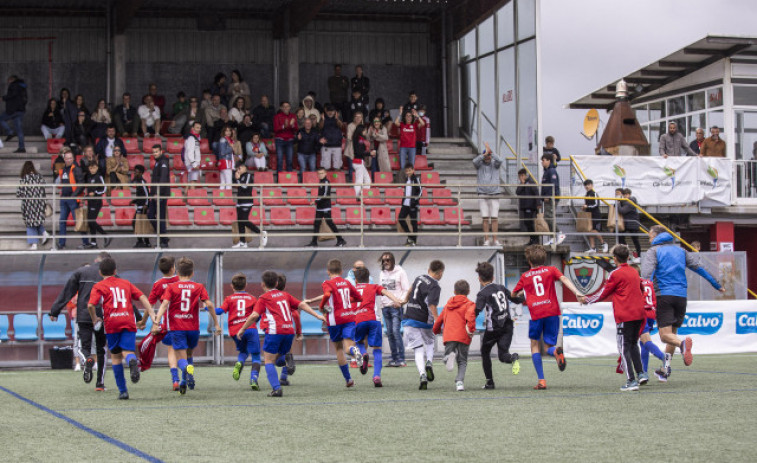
x=394, y=279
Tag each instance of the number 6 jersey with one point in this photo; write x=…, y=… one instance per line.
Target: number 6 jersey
x=539, y=286
x=495, y=300
x=116, y=295
x=185, y=298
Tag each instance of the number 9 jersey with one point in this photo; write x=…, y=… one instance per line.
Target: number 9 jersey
x=239, y=307
x=539, y=286
x=184, y=309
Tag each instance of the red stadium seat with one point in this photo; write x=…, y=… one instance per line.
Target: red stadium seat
x=391, y=146
x=382, y=216
x=131, y=144
x=103, y=218
x=197, y=197
x=372, y=197
x=288, y=178
x=208, y=162
x=425, y=200
x=430, y=216
x=383, y=178
x=137, y=159
x=205, y=146
x=336, y=177
x=124, y=216
x=443, y=197
x=164, y=126
x=310, y=177
x=270, y=145
x=223, y=198
x=354, y=214
x=298, y=197
x=120, y=197
x=273, y=197
x=255, y=216
x=263, y=177
x=451, y=215
x=281, y=216
x=394, y=196
x=227, y=215
x=177, y=197
x=431, y=179
x=394, y=131
x=346, y=195
x=178, y=164
x=305, y=215
x=180, y=178
x=272, y=162
x=53, y=157
x=213, y=177
x=179, y=216
x=336, y=215
x=148, y=142
x=394, y=161
x=204, y=216
x=421, y=162
x=175, y=145
x=54, y=145
x=147, y=176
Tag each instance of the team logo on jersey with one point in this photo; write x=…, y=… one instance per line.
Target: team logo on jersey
x=585, y=324
x=588, y=276
x=746, y=322
x=701, y=323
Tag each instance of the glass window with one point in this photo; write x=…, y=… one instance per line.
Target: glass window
x=642, y=114
x=676, y=106
x=468, y=46
x=715, y=97
x=695, y=101
x=654, y=138
x=746, y=135
x=488, y=101
x=526, y=19
x=745, y=95
x=507, y=103
x=505, y=25
x=526, y=100
x=469, y=81
x=714, y=118
x=696, y=121
x=486, y=36
x=656, y=110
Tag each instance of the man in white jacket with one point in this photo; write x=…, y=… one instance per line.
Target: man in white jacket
x=192, y=153
x=393, y=279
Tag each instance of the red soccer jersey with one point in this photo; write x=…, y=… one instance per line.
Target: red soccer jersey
x=650, y=299
x=158, y=288
x=624, y=285
x=277, y=307
x=337, y=293
x=239, y=306
x=185, y=298
x=367, y=307
x=116, y=295
x=539, y=286
x=407, y=135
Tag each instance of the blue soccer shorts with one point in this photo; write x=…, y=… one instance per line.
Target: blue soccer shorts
x=167, y=340
x=184, y=339
x=343, y=331
x=371, y=330
x=648, y=326
x=279, y=344
x=121, y=341
x=547, y=328
x=250, y=342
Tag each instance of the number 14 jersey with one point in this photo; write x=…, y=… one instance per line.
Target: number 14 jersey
x=184, y=308
x=539, y=286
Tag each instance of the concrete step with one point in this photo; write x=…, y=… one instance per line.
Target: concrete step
x=435, y=140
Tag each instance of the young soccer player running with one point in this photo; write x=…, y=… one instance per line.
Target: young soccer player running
x=459, y=320
x=182, y=302
x=285, y=360
x=624, y=285
x=116, y=295
x=645, y=340
x=494, y=300
x=239, y=306
x=368, y=321
x=277, y=306
x=418, y=320
x=538, y=284
x=166, y=265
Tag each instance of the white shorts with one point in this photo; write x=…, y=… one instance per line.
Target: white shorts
x=418, y=337
x=488, y=206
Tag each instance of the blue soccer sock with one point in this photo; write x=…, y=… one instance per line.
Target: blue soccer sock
x=551, y=351
x=654, y=350
x=183, y=367
x=362, y=349
x=129, y=357
x=284, y=373
x=345, y=371
x=242, y=357
x=281, y=361
x=273, y=377
x=118, y=373
x=255, y=358
x=255, y=371
x=536, y=358
x=175, y=375
x=377, y=361
x=644, y=356
x=191, y=360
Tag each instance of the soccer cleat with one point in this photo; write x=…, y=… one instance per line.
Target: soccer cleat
x=542, y=384
x=191, y=381
x=350, y=383
x=182, y=388
x=100, y=388
x=377, y=381
x=688, y=357
x=560, y=357
x=429, y=370
x=424, y=383
x=254, y=385
x=643, y=379
x=190, y=369
x=290, y=365
x=175, y=386
x=263, y=239
x=237, y=370
x=516, y=363
x=402, y=364
x=284, y=382
x=88, y=364
x=449, y=362
x=631, y=385
x=459, y=386
x=489, y=384
x=662, y=375
x=364, y=364
x=355, y=352
x=276, y=393
x=123, y=396
x=391, y=364
x=134, y=370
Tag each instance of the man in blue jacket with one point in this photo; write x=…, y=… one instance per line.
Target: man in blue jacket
x=667, y=263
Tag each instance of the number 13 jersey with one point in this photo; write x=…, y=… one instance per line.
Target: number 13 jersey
x=495, y=300
x=184, y=309
x=539, y=286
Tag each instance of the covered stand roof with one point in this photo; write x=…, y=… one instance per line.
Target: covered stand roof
x=672, y=67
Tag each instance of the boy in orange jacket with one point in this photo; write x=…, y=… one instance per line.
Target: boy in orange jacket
x=459, y=320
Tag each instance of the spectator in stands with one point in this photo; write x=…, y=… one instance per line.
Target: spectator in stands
x=212, y=115
x=15, y=108
x=79, y=104
x=220, y=88
x=225, y=154
x=550, y=188
x=100, y=119
x=409, y=125
x=245, y=130
x=238, y=111
x=140, y=202
x=307, y=146
x=183, y=121
x=180, y=105
x=322, y=205
x=158, y=100
x=356, y=105
x=349, y=147
x=394, y=279
x=284, y=129
x=244, y=182
x=379, y=111
x=94, y=192
x=696, y=145
x=300, y=113
x=67, y=110
x=410, y=203
x=338, y=86
x=364, y=156
x=528, y=204
x=631, y=221
x=331, y=139
x=424, y=133
x=672, y=143
x=487, y=167
x=52, y=121
x=361, y=84
x=207, y=99
x=308, y=104
x=239, y=88
x=257, y=154
x=157, y=207
x=223, y=121
x=88, y=158
x=80, y=133
x=378, y=136
x=104, y=148
x=31, y=190
x=125, y=117
x=238, y=148
x=191, y=152
x=70, y=180
x=149, y=114
x=412, y=103
x=591, y=204
x=117, y=168
x=549, y=148
x=713, y=146
x=262, y=117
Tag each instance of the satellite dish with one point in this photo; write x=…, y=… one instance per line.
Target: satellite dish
x=591, y=123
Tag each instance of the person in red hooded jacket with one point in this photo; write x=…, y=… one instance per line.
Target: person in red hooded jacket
x=459, y=321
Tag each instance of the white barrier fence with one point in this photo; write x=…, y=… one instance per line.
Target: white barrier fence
x=716, y=327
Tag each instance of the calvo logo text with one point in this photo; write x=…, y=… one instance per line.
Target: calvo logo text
x=746, y=322
x=585, y=324
x=701, y=323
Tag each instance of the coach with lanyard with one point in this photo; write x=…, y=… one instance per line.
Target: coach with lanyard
x=157, y=209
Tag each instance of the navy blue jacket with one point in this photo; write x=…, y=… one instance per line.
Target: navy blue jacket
x=550, y=177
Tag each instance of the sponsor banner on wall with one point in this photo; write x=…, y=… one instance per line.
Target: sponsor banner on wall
x=716, y=327
x=656, y=181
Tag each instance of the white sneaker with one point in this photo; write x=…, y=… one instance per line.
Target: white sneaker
x=77, y=367
x=487, y=243
x=240, y=244
x=459, y=387
x=263, y=239
x=560, y=238
x=497, y=243
x=33, y=247
x=591, y=251
x=45, y=238
x=450, y=360
x=605, y=247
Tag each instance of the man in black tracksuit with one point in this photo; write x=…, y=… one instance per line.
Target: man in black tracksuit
x=323, y=211
x=142, y=193
x=244, y=181
x=528, y=204
x=410, y=203
x=494, y=300
x=161, y=173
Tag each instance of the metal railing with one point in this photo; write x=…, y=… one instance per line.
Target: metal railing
x=745, y=175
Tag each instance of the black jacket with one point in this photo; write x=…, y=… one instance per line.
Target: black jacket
x=363, y=84
x=550, y=177
x=528, y=189
x=415, y=191
x=359, y=149
x=354, y=107
x=424, y=292
x=64, y=179
x=81, y=283
x=630, y=214
x=15, y=99
x=52, y=119
x=103, y=144
x=96, y=185
x=126, y=114
x=382, y=114
x=323, y=203
x=331, y=132
x=261, y=114
x=245, y=189
x=495, y=300
x=161, y=173
x=307, y=142
x=592, y=205
x=142, y=193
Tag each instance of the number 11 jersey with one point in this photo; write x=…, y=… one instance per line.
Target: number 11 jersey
x=185, y=298
x=539, y=286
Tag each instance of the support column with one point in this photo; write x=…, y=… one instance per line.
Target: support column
x=119, y=68
x=292, y=60
x=722, y=237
